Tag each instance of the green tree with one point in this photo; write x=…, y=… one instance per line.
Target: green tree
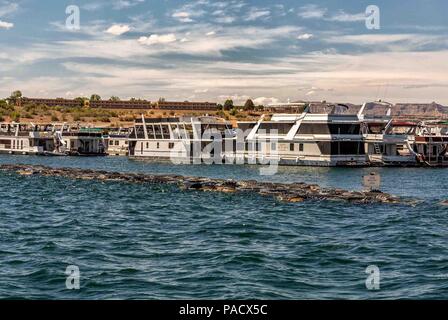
x=114, y=98
x=249, y=105
x=228, y=104
x=15, y=97
x=95, y=97
x=82, y=101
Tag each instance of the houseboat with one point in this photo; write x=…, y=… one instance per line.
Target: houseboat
x=181, y=140
x=82, y=141
x=17, y=138
x=333, y=137
x=50, y=139
x=117, y=141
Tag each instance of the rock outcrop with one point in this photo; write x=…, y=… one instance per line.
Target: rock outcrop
x=294, y=192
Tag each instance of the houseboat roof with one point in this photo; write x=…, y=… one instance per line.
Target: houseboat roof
x=203, y=119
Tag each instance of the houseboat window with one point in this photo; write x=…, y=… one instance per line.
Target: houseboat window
x=139, y=133
x=330, y=128
x=150, y=130
x=13, y=144
x=258, y=146
x=147, y=145
x=171, y=145
x=279, y=128
x=117, y=143
x=166, y=131
x=158, y=132
x=301, y=147
x=21, y=144
x=126, y=142
x=158, y=145
x=291, y=147
x=6, y=143
x=273, y=146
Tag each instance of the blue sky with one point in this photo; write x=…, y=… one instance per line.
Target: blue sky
x=210, y=50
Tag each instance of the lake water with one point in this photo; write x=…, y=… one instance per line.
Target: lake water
x=157, y=242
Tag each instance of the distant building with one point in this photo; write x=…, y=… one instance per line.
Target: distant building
x=70, y=103
x=125, y=104
x=186, y=105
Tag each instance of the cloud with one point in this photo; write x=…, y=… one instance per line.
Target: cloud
x=342, y=16
x=255, y=14
x=225, y=20
x=6, y=25
x=390, y=42
x=311, y=11
x=182, y=16
x=201, y=91
x=157, y=39
x=93, y=6
x=188, y=12
x=118, y=29
x=305, y=36
x=211, y=33
x=8, y=8
x=124, y=4
x=265, y=101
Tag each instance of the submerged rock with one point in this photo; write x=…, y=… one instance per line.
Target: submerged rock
x=444, y=203
x=294, y=193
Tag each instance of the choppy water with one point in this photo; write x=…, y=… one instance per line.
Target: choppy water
x=156, y=242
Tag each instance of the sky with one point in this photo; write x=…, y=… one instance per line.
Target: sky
x=204, y=50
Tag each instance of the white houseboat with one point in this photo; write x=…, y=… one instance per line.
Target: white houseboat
x=50, y=139
x=117, y=142
x=17, y=138
x=331, y=138
x=183, y=140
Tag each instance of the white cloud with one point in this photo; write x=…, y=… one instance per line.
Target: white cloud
x=6, y=25
x=8, y=8
x=225, y=20
x=265, y=101
x=390, y=42
x=236, y=98
x=124, y=4
x=311, y=11
x=342, y=16
x=182, y=16
x=157, y=39
x=118, y=29
x=310, y=93
x=211, y=33
x=255, y=14
x=305, y=36
x=93, y=6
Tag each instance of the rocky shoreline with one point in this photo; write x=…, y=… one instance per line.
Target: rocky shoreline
x=296, y=192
